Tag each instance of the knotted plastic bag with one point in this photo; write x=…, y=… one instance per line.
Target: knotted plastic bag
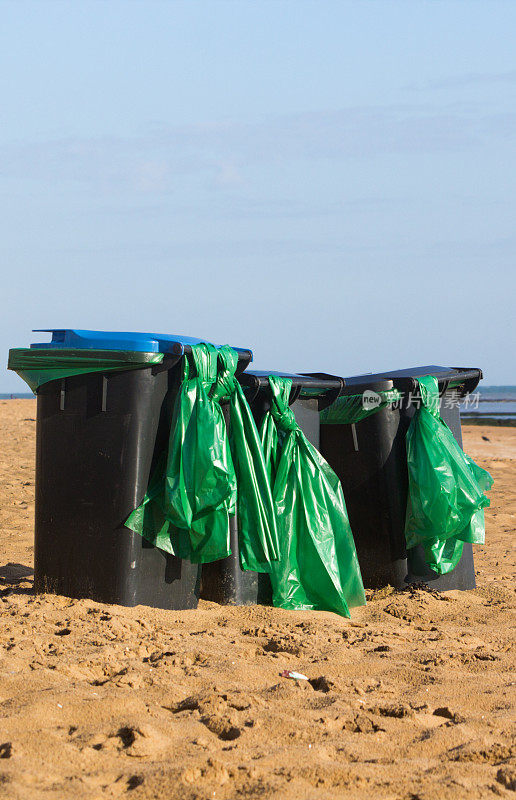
x=257, y=531
x=318, y=566
x=205, y=477
x=446, y=488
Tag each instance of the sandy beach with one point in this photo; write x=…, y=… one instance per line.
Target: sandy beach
x=410, y=699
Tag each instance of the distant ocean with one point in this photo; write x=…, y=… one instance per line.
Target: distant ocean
x=17, y=396
x=490, y=402
x=497, y=403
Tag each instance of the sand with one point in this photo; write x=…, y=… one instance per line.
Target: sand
x=411, y=698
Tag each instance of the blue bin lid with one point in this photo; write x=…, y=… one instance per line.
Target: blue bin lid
x=120, y=340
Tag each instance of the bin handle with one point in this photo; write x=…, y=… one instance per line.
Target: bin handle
x=254, y=387
x=331, y=395
x=327, y=399
x=294, y=394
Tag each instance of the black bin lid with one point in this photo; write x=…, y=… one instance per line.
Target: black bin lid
x=462, y=379
x=319, y=386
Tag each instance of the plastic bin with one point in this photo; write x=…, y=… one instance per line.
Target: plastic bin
x=370, y=460
x=224, y=581
x=98, y=437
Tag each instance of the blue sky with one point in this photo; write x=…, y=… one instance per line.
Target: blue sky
x=329, y=183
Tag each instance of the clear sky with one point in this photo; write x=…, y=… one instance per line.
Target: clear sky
x=329, y=183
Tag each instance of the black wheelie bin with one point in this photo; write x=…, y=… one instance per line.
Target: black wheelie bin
x=224, y=581
x=370, y=459
x=99, y=434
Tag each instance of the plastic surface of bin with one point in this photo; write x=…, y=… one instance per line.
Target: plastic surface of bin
x=224, y=581
x=98, y=438
x=370, y=460
x=75, y=339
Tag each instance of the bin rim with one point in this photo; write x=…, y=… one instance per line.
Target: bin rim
x=41, y=365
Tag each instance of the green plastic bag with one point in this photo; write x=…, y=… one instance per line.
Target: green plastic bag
x=258, y=535
x=37, y=366
x=193, y=490
x=446, y=497
x=318, y=566
x=350, y=409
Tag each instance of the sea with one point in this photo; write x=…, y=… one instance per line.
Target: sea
x=490, y=402
x=17, y=396
x=486, y=402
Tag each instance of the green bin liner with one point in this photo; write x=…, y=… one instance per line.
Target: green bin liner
x=207, y=475
x=318, y=566
x=40, y=365
x=446, y=499
x=349, y=409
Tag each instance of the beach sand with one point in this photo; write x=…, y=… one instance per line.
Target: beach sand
x=413, y=698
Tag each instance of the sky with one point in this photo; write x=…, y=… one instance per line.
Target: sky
x=330, y=183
